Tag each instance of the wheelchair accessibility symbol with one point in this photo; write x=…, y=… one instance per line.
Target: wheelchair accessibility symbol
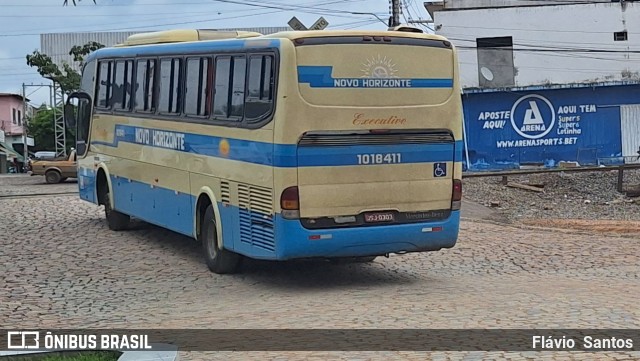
x=439, y=169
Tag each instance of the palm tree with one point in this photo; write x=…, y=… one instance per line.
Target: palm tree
x=66, y=2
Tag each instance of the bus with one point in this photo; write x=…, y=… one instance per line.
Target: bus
x=339, y=145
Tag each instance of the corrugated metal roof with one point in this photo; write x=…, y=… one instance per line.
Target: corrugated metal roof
x=57, y=45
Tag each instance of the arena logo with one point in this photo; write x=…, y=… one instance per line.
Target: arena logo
x=533, y=116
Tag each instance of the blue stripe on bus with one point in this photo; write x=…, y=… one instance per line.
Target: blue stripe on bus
x=176, y=211
x=87, y=184
x=280, y=155
x=322, y=77
x=293, y=241
x=160, y=206
x=183, y=48
x=375, y=155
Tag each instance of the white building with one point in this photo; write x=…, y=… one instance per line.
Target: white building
x=519, y=43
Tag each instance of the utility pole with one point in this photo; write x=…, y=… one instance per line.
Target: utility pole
x=57, y=102
x=394, y=7
x=25, y=151
x=53, y=99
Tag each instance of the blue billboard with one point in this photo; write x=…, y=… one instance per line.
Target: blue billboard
x=506, y=129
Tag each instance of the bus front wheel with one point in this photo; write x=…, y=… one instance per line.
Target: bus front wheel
x=218, y=260
x=115, y=220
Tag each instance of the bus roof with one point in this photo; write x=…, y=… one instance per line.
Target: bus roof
x=178, y=36
x=292, y=35
x=196, y=41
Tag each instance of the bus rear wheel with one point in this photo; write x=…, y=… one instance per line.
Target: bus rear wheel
x=218, y=260
x=115, y=220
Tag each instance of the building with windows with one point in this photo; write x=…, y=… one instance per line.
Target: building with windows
x=519, y=43
x=12, y=128
x=546, y=81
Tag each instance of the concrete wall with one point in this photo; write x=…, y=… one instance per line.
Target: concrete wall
x=550, y=42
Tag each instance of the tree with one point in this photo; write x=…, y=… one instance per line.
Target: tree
x=68, y=78
x=41, y=128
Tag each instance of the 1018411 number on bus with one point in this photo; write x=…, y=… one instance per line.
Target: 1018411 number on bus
x=379, y=158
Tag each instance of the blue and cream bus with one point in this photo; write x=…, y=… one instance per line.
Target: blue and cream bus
x=329, y=144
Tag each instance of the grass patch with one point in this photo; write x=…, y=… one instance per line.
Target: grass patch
x=73, y=356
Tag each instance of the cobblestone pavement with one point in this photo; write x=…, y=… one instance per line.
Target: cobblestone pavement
x=61, y=267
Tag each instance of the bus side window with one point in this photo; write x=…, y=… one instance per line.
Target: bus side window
x=169, y=89
x=229, y=94
x=196, y=87
x=221, y=93
x=259, y=103
x=117, y=94
x=151, y=102
x=209, y=89
x=104, y=84
x=238, y=86
x=141, y=84
x=128, y=85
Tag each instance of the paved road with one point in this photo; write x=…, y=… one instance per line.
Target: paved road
x=70, y=270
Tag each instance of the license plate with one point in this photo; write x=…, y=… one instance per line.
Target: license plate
x=379, y=217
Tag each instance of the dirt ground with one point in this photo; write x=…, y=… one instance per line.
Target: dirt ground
x=593, y=226
x=583, y=202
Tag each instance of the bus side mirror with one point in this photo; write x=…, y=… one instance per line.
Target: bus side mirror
x=70, y=112
x=70, y=115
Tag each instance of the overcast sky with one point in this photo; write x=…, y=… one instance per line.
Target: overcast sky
x=21, y=22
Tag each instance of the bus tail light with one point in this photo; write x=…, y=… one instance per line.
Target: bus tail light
x=456, y=197
x=290, y=203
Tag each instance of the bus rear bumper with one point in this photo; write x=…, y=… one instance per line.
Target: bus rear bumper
x=295, y=241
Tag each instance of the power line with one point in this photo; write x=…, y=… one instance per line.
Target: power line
x=110, y=5
x=297, y=8
x=548, y=47
x=116, y=15
x=592, y=44
x=354, y=24
x=529, y=30
x=143, y=26
x=368, y=22
x=577, y=51
x=308, y=9
x=579, y=70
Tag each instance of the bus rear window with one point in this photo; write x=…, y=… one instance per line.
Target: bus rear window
x=375, y=73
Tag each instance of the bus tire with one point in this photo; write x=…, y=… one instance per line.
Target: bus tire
x=53, y=176
x=115, y=220
x=220, y=261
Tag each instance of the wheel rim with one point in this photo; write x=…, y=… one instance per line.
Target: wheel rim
x=212, y=249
